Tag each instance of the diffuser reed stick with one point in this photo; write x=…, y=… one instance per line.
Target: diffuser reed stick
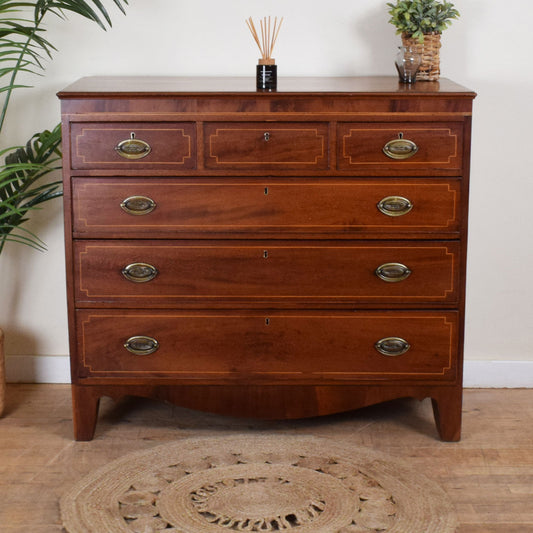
x=269, y=36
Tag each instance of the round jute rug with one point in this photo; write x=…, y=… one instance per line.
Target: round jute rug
x=259, y=483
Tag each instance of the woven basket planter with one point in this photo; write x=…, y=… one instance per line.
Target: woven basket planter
x=430, y=51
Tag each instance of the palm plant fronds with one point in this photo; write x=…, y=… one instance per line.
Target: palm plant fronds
x=97, y=14
x=22, y=42
x=24, y=49
x=21, y=187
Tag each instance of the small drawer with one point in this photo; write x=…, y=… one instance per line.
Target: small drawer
x=247, y=345
x=266, y=145
x=134, y=207
x=156, y=145
x=401, y=148
x=288, y=273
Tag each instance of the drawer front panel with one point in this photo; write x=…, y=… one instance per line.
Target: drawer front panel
x=266, y=145
x=157, y=145
x=247, y=207
x=265, y=272
x=250, y=346
x=410, y=147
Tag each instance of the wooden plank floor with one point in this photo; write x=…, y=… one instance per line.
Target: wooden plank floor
x=488, y=475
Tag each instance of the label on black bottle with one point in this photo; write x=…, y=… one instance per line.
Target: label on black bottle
x=266, y=76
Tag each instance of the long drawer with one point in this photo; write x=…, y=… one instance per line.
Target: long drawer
x=167, y=273
x=251, y=346
x=135, y=207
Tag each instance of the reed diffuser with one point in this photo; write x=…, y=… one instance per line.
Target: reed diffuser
x=267, y=70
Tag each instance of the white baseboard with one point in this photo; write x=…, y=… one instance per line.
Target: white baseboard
x=498, y=374
x=477, y=374
x=37, y=369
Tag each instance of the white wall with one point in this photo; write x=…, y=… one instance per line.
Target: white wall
x=339, y=38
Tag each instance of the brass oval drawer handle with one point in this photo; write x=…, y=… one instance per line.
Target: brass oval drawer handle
x=141, y=345
x=133, y=148
x=138, y=205
x=395, y=206
x=266, y=136
x=400, y=148
x=139, y=272
x=392, y=272
x=392, y=346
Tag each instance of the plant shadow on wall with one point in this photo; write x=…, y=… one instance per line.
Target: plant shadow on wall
x=380, y=44
x=24, y=49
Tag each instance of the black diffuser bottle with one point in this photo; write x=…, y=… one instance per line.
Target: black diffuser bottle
x=267, y=75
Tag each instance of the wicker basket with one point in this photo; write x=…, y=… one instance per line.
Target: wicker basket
x=430, y=51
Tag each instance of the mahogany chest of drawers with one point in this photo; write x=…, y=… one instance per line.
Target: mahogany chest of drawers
x=282, y=254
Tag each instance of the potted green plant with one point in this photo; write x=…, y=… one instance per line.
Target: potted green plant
x=421, y=23
x=24, y=172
